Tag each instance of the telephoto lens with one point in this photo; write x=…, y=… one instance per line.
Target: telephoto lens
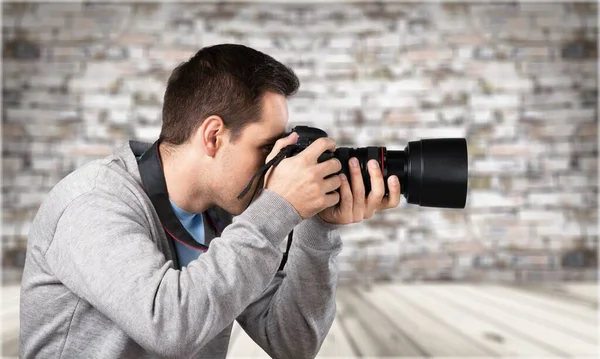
x=432, y=172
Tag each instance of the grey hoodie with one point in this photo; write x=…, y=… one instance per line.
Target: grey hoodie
x=100, y=279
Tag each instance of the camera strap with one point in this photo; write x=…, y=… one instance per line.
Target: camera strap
x=155, y=186
x=261, y=172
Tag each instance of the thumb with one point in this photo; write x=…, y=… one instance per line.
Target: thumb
x=281, y=144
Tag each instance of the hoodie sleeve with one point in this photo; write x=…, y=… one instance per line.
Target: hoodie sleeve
x=102, y=250
x=292, y=317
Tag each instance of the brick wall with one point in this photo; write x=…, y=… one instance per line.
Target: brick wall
x=519, y=81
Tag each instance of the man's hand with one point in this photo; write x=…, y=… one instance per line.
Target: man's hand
x=281, y=143
x=303, y=182
x=353, y=206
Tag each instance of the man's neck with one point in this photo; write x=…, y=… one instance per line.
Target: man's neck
x=181, y=181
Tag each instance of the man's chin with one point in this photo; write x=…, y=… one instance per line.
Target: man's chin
x=237, y=209
x=236, y=212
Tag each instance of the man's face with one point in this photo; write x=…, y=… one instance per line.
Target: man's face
x=242, y=159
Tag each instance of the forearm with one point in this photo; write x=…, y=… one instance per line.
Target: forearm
x=293, y=317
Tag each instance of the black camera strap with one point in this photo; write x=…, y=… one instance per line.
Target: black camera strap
x=153, y=180
x=261, y=172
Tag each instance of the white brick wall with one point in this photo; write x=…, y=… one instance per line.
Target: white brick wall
x=519, y=82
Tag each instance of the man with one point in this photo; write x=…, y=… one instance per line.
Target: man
x=106, y=277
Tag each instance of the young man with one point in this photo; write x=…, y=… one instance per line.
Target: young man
x=110, y=274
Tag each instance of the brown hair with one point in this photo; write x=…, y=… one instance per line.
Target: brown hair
x=226, y=80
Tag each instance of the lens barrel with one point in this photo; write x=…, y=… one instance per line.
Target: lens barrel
x=432, y=172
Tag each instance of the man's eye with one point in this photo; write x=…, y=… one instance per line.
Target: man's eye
x=268, y=148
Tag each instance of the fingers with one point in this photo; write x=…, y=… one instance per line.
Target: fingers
x=393, y=199
x=281, y=144
x=331, y=184
x=346, y=200
x=328, y=167
x=320, y=145
x=331, y=199
x=358, y=190
x=377, y=188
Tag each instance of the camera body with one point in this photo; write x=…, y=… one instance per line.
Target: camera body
x=306, y=136
x=432, y=172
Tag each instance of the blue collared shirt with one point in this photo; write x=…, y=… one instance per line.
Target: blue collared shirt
x=194, y=224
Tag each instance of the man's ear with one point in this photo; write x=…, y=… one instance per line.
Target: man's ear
x=211, y=135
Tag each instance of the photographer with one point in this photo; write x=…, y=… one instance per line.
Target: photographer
x=118, y=261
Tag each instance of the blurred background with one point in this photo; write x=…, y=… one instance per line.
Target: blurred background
x=513, y=274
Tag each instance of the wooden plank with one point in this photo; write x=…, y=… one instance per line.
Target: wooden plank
x=544, y=301
x=584, y=291
x=568, y=345
x=10, y=329
x=10, y=347
x=428, y=331
x=243, y=346
x=389, y=338
x=10, y=293
x=10, y=300
x=10, y=320
x=559, y=292
x=336, y=343
x=236, y=331
x=495, y=338
x=560, y=321
x=362, y=342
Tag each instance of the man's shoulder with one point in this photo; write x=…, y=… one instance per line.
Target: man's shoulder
x=116, y=174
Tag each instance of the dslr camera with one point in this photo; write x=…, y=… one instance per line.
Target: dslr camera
x=432, y=172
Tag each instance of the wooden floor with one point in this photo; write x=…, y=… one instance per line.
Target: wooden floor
x=433, y=320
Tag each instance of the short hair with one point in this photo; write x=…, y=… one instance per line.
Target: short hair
x=227, y=80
